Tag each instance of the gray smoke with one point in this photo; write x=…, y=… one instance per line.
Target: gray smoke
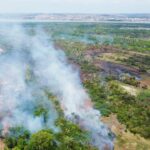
x=51, y=70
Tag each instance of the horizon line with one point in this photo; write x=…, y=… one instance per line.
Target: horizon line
x=57, y=13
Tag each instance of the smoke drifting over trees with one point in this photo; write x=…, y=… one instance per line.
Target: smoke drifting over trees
x=29, y=66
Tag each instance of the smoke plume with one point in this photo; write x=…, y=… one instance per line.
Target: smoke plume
x=50, y=69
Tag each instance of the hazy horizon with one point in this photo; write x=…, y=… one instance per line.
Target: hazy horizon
x=75, y=6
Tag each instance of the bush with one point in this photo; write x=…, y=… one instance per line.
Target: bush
x=42, y=140
x=132, y=111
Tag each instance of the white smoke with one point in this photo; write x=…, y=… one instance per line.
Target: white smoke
x=17, y=97
x=51, y=70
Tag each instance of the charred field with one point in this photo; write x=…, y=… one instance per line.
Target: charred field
x=76, y=86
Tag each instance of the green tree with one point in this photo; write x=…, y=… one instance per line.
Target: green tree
x=42, y=140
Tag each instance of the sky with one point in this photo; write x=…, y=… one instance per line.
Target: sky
x=75, y=6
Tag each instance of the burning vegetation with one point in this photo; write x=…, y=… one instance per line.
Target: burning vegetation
x=50, y=101
x=30, y=70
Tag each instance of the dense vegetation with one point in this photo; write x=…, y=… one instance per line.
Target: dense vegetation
x=133, y=37
x=69, y=136
x=133, y=43
x=132, y=111
x=106, y=93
